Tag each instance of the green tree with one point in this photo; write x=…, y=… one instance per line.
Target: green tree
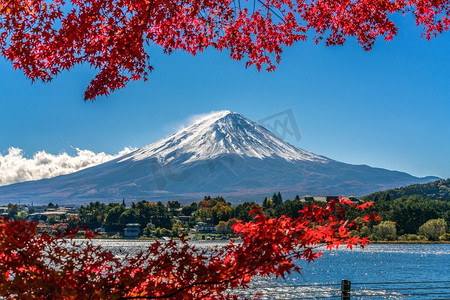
x=146, y=212
x=267, y=203
x=130, y=215
x=275, y=199
x=433, y=229
x=53, y=219
x=111, y=222
x=22, y=215
x=289, y=208
x=225, y=227
x=410, y=212
x=222, y=212
x=188, y=210
x=386, y=230
x=149, y=230
x=280, y=198
x=242, y=211
x=214, y=210
x=174, y=207
x=157, y=214
x=13, y=210
x=364, y=231
x=222, y=227
x=174, y=204
x=436, y=190
x=178, y=230
x=411, y=237
x=160, y=232
x=94, y=214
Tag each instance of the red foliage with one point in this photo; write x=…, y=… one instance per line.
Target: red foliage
x=44, y=37
x=34, y=266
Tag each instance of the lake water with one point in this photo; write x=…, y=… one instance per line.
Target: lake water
x=380, y=271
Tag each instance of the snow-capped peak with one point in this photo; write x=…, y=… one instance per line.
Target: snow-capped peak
x=220, y=133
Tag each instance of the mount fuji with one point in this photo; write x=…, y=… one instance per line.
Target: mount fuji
x=222, y=153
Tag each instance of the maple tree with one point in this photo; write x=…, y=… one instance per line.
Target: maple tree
x=37, y=266
x=44, y=37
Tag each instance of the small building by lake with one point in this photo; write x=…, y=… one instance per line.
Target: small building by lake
x=202, y=227
x=4, y=211
x=327, y=199
x=324, y=199
x=132, y=230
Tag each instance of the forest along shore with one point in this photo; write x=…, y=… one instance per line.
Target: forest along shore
x=408, y=219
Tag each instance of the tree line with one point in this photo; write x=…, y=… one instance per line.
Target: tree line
x=437, y=190
x=403, y=218
x=407, y=218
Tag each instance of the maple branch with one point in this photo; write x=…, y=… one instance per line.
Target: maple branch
x=235, y=7
x=270, y=9
x=149, y=10
x=237, y=276
x=40, y=266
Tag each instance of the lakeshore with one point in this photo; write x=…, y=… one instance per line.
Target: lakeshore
x=212, y=218
x=199, y=239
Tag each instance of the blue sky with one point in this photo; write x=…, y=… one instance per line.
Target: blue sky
x=386, y=108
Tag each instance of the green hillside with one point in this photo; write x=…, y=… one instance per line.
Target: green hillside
x=437, y=190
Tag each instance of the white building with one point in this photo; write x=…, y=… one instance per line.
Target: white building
x=205, y=228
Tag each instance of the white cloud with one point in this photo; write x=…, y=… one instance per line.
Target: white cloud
x=15, y=167
x=192, y=119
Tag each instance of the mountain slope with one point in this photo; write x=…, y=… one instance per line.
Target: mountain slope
x=222, y=153
x=437, y=190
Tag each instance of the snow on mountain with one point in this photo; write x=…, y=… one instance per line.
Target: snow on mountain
x=220, y=133
x=222, y=153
